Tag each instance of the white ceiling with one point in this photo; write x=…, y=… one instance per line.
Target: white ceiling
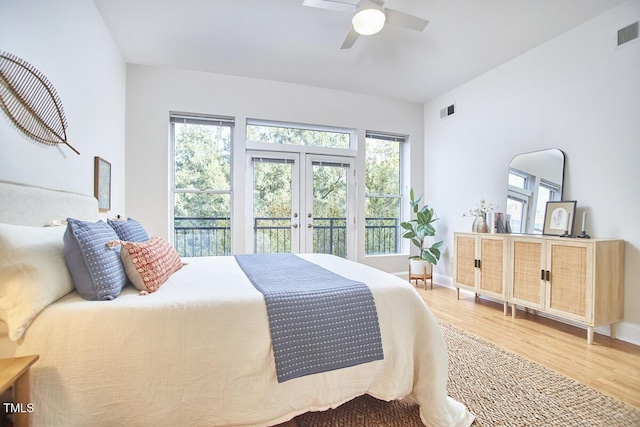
x=285, y=41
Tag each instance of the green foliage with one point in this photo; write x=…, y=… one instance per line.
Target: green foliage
x=293, y=136
x=329, y=192
x=420, y=228
x=272, y=190
x=382, y=177
x=202, y=157
x=202, y=162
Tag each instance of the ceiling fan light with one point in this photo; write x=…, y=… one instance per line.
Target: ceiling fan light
x=369, y=20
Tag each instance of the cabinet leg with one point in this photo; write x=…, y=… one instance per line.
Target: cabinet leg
x=513, y=310
x=457, y=293
x=505, y=307
x=613, y=331
x=589, y=335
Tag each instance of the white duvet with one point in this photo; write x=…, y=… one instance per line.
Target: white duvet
x=197, y=353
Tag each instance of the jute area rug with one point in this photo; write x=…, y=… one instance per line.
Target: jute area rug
x=500, y=388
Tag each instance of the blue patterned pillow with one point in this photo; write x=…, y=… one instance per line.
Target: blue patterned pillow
x=96, y=269
x=129, y=230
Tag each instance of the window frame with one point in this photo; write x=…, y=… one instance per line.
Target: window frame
x=311, y=149
x=402, y=141
x=199, y=119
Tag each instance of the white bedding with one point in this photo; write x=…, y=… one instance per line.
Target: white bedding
x=198, y=352
x=7, y=347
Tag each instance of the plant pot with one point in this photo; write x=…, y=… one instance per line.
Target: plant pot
x=417, y=266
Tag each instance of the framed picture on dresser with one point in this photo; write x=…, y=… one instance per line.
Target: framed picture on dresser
x=559, y=218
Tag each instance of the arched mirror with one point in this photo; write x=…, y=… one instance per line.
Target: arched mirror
x=534, y=179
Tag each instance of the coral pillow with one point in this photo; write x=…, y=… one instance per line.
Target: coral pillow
x=149, y=264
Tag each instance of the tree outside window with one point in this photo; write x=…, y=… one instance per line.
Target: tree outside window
x=383, y=194
x=202, y=186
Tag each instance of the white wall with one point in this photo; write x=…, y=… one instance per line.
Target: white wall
x=69, y=43
x=153, y=92
x=576, y=93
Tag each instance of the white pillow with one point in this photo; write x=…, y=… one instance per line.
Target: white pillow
x=33, y=273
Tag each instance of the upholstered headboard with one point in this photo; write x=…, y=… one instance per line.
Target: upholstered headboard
x=22, y=204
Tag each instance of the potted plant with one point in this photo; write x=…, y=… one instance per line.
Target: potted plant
x=418, y=230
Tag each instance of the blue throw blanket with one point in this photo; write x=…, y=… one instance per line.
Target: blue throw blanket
x=319, y=320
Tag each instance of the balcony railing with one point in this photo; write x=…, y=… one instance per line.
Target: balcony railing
x=202, y=236
x=206, y=236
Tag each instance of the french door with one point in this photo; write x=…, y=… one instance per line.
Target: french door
x=300, y=202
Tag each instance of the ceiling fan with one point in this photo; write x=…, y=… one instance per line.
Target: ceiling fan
x=369, y=16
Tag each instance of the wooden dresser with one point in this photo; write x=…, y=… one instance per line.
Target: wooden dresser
x=581, y=280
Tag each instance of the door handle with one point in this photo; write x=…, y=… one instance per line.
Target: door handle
x=309, y=225
x=294, y=225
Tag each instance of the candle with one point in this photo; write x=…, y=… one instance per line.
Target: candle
x=584, y=219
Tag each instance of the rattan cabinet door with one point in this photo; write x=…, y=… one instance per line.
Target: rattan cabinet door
x=493, y=265
x=465, y=268
x=527, y=272
x=570, y=281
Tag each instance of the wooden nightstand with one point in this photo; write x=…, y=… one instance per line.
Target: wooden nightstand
x=15, y=372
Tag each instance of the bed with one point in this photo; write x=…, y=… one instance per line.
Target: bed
x=198, y=351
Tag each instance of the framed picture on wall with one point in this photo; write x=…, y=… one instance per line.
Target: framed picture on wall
x=102, y=183
x=559, y=218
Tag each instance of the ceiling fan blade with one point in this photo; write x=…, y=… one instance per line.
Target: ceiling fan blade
x=338, y=5
x=404, y=20
x=350, y=39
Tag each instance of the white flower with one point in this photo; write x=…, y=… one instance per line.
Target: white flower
x=481, y=209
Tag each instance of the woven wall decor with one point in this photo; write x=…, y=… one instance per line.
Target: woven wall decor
x=31, y=102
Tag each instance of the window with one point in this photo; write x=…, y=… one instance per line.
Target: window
x=518, y=199
x=518, y=180
x=547, y=191
x=527, y=199
x=302, y=195
x=383, y=197
x=291, y=134
x=201, y=184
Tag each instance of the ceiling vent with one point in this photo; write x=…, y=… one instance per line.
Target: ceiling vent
x=627, y=34
x=448, y=111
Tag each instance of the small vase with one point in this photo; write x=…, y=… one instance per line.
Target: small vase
x=480, y=225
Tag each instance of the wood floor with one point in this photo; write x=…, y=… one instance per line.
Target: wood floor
x=611, y=367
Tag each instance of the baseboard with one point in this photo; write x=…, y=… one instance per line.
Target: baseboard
x=625, y=331
x=628, y=332
x=443, y=280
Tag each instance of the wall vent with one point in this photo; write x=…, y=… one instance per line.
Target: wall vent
x=627, y=34
x=448, y=111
